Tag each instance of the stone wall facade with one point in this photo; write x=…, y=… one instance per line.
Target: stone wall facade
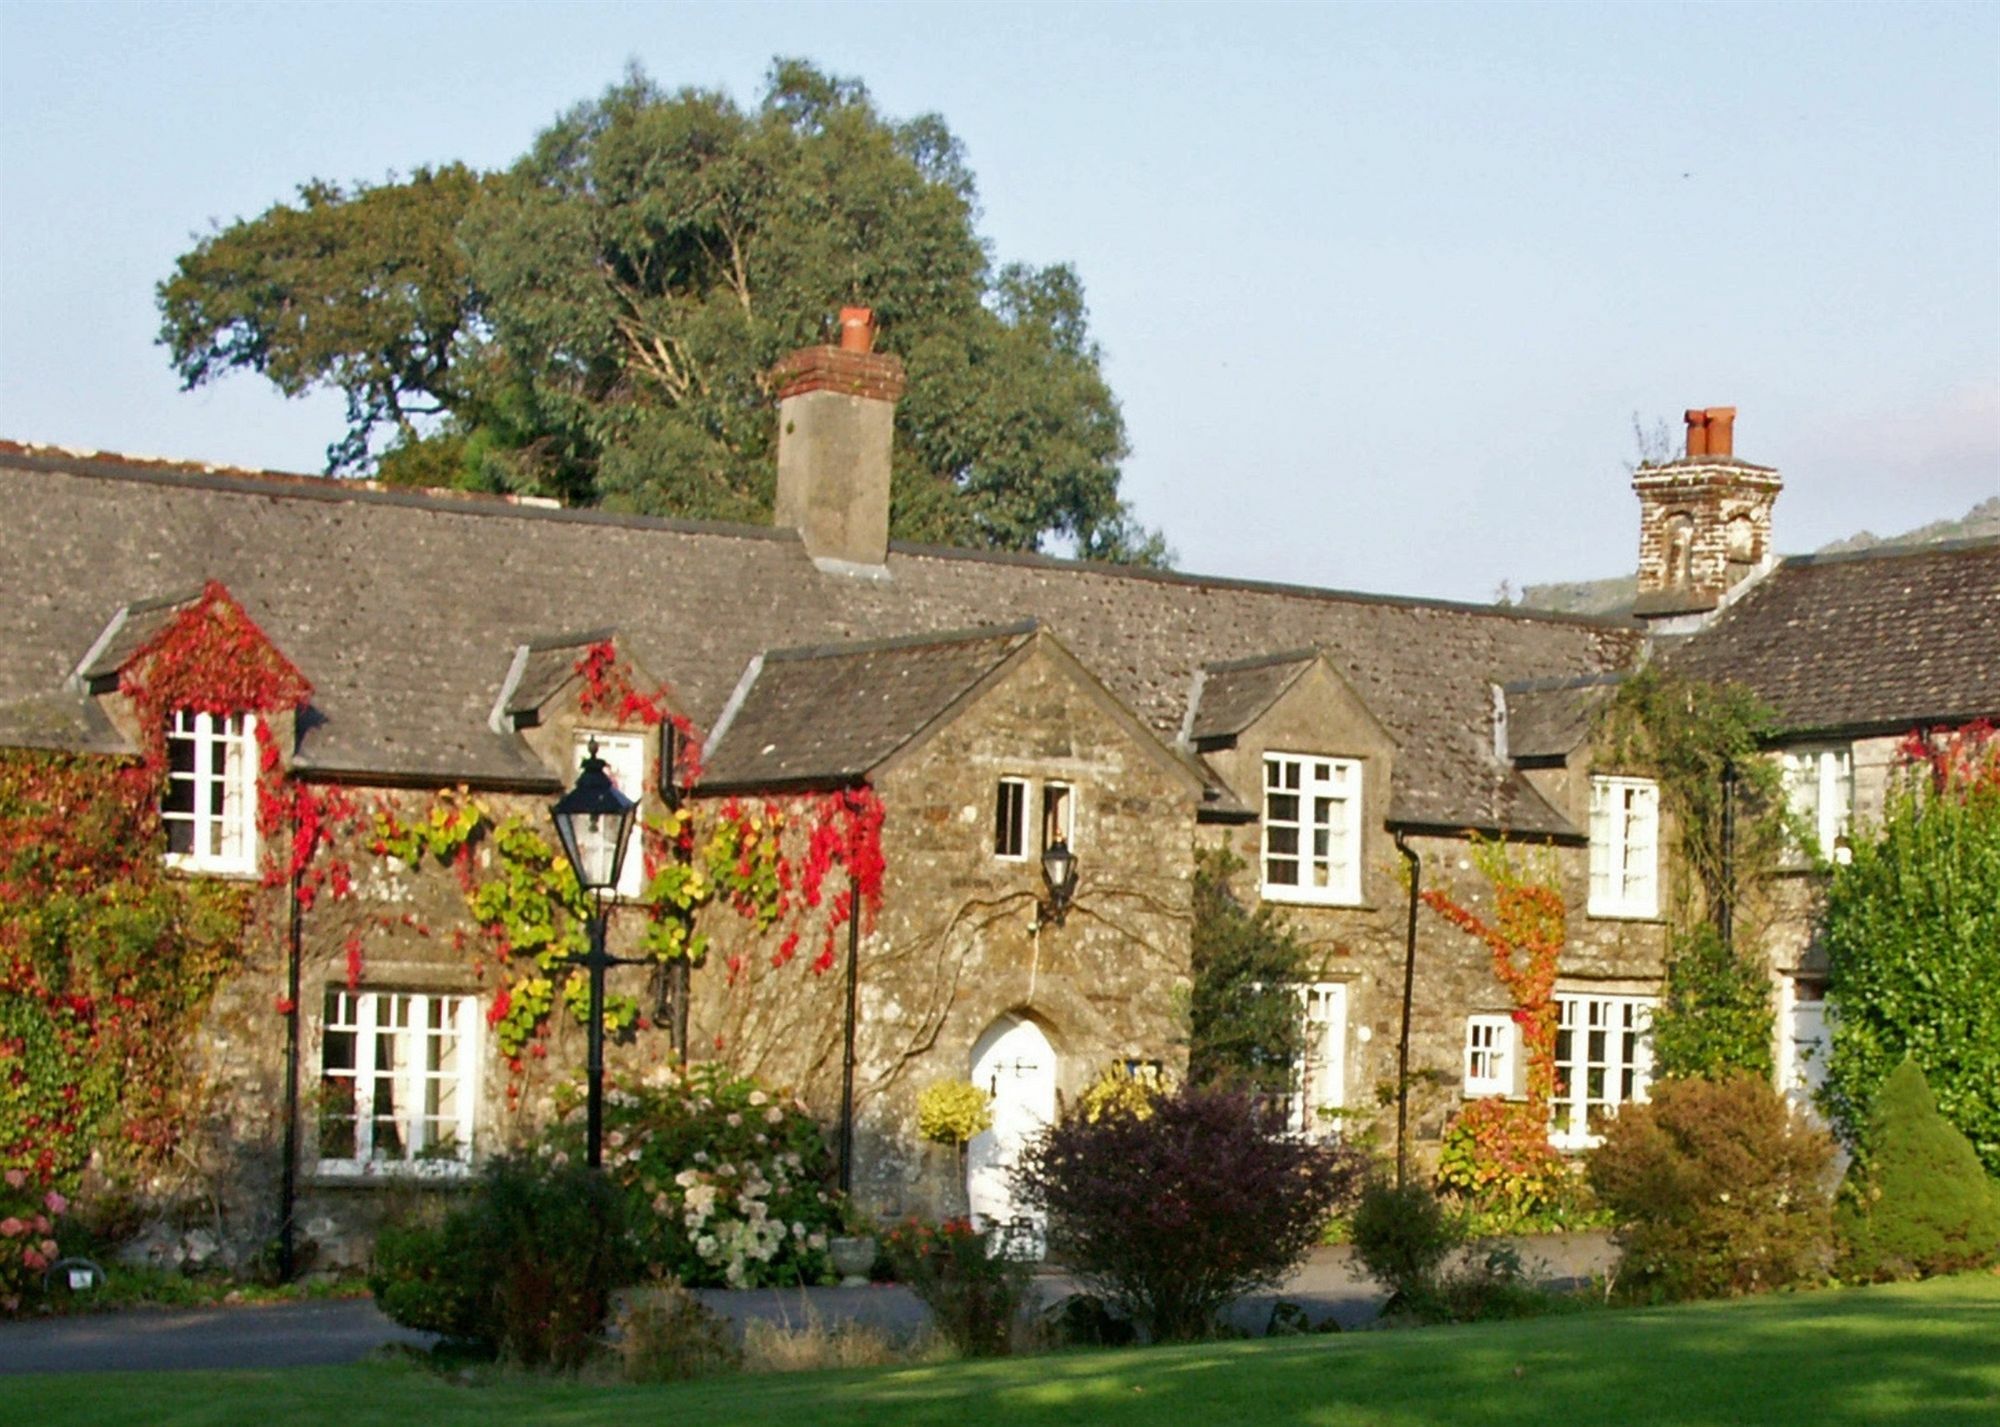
x=961, y=942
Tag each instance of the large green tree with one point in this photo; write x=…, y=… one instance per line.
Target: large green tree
x=361, y=289
x=597, y=322
x=1913, y=944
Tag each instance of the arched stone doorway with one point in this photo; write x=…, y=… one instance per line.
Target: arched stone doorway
x=1013, y=1062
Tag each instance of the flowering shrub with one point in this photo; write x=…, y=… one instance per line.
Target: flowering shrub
x=1172, y=1216
x=28, y=1213
x=1121, y=1089
x=726, y=1181
x=951, y=1112
x=974, y=1293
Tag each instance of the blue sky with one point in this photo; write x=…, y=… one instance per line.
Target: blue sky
x=1380, y=288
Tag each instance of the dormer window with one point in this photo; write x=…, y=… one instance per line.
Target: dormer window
x=1312, y=828
x=210, y=807
x=624, y=756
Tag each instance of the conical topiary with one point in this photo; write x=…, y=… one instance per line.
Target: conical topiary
x=1923, y=1203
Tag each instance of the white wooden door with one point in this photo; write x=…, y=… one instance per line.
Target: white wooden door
x=1015, y=1064
x=1803, y=1045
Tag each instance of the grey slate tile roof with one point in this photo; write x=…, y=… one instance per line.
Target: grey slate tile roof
x=540, y=669
x=1873, y=641
x=1228, y=696
x=1547, y=718
x=131, y=629
x=827, y=715
x=405, y=611
x=71, y=721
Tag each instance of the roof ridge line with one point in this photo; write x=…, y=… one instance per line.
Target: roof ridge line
x=1958, y=545
x=971, y=634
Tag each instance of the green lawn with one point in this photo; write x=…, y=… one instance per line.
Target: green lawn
x=1925, y=1353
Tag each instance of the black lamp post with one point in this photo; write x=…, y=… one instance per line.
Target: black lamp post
x=1059, y=875
x=594, y=822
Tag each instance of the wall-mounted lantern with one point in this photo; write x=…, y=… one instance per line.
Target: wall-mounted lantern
x=1059, y=876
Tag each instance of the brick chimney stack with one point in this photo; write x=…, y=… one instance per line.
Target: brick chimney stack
x=1704, y=520
x=836, y=423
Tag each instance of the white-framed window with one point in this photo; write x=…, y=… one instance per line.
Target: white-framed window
x=1819, y=792
x=1058, y=815
x=1010, y=820
x=1490, y=1055
x=1312, y=828
x=399, y=1075
x=1624, y=847
x=209, y=809
x=1318, y=1079
x=1604, y=1059
x=624, y=756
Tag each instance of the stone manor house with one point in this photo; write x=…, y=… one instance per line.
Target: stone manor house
x=994, y=704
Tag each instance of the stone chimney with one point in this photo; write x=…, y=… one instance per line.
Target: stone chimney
x=836, y=422
x=1704, y=520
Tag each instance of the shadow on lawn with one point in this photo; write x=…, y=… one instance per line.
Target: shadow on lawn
x=1827, y=1358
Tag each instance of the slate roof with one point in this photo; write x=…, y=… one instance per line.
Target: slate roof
x=406, y=609
x=539, y=671
x=1547, y=718
x=825, y=716
x=66, y=720
x=1228, y=696
x=130, y=629
x=1871, y=642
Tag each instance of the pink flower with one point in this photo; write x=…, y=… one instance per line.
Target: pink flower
x=16, y=1178
x=57, y=1204
x=12, y=1227
x=41, y=1222
x=31, y=1259
x=49, y=1247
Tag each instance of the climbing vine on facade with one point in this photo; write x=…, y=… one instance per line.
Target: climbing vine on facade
x=1496, y=1150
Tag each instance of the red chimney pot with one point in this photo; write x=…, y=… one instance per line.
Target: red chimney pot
x=1721, y=430
x=857, y=329
x=1697, y=423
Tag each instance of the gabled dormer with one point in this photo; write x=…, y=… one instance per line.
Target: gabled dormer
x=564, y=695
x=1289, y=734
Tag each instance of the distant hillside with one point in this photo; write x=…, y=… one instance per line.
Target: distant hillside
x=1614, y=596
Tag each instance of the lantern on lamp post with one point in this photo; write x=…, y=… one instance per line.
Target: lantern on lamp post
x=594, y=824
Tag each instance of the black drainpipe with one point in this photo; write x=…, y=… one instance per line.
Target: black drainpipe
x=288, y=1176
x=1725, y=911
x=847, y=1033
x=1403, y=1043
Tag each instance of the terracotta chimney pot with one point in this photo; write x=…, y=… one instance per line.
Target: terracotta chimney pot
x=1697, y=424
x=1721, y=430
x=857, y=329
